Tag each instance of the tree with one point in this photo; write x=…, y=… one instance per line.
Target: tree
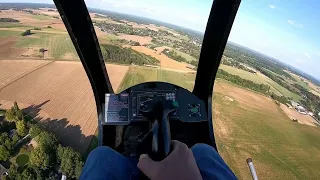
x=32, y=173
x=21, y=128
x=60, y=152
x=15, y=139
x=14, y=114
x=47, y=141
x=71, y=162
x=136, y=44
x=4, y=153
x=78, y=168
x=35, y=130
x=39, y=159
x=10, y=116
x=17, y=111
x=6, y=147
x=26, y=33
x=13, y=173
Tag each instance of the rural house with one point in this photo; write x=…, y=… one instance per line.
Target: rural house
x=3, y=171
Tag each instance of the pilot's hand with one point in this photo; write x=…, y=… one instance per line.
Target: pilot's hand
x=179, y=165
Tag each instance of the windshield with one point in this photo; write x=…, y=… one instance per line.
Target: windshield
x=266, y=98
x=144, y=43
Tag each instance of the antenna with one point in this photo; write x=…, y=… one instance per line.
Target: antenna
x=252, y=169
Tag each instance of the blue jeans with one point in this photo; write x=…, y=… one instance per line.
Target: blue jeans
x=105, y=163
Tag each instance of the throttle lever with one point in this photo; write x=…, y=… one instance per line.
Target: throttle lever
x=157, y=111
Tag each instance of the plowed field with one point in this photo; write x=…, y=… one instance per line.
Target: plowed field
x=60, y=95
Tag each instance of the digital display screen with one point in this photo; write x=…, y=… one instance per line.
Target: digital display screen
x=117, y=108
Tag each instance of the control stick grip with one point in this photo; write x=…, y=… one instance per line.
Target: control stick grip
x=161, y=138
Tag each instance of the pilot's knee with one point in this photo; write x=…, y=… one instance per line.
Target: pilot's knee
x=102, y=151
x=201, y=150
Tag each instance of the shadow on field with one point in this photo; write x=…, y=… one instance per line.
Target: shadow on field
x=67, y=134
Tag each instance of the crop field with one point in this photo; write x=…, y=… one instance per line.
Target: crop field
x=164, y=60
x=142, y=40
x=138, y=75
x=261, y=79
x=59, y=94
x=251, y=125
x=11, y=70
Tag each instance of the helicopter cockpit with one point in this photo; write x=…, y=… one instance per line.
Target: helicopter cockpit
x=158, y=111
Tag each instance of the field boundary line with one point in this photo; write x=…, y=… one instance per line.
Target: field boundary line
x=26, y=73
x=125, y=75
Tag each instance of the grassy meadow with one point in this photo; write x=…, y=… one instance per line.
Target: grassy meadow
x=138, y=75
x=280, y=148
x=261, y=79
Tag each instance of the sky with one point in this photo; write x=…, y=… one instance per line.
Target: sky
x=283, y=29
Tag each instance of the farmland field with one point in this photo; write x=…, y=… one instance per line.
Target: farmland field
x=251, y=125
x=59, y=94
x=260, y=78
x=138, y=75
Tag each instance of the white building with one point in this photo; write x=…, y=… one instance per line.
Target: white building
x=311, y=114
x=301, y=110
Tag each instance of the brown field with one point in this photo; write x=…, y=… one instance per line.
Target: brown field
x=6, y=48
x=45, y=11
x=11, y=70
x=164, y=60
x=60, y=95
x=161, y=48
x=116, y=74
x=27, y=19
x=303, y=119
x=246, y=97
x=59, y=26
x=141, y=39
x=253, y=100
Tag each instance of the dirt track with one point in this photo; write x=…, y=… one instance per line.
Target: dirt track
x=60, y=95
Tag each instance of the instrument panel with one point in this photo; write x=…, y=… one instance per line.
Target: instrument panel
x=123, y=108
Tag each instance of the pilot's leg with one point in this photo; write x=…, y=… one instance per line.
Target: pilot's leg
x=105, y=163
x=210, y=163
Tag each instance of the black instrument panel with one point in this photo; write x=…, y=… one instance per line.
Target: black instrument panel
x=123, y=108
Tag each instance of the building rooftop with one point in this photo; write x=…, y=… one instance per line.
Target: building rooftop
x=3, y=171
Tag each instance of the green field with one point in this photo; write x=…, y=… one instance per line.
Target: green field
x=259, y=78
x=59, y=46
x=138, y=75
x=10, y=25
x=41, y=17
x=186, y=56
x=5, y=33
x=280, y=149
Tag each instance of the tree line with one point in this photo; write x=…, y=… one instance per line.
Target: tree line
x=278, y=80
x=262, y=88
x=229, y=62
x=173, y=55
x=8, y=20
x=310, y=100
x=255, y=60
x=44, y=157
x=116, y=54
